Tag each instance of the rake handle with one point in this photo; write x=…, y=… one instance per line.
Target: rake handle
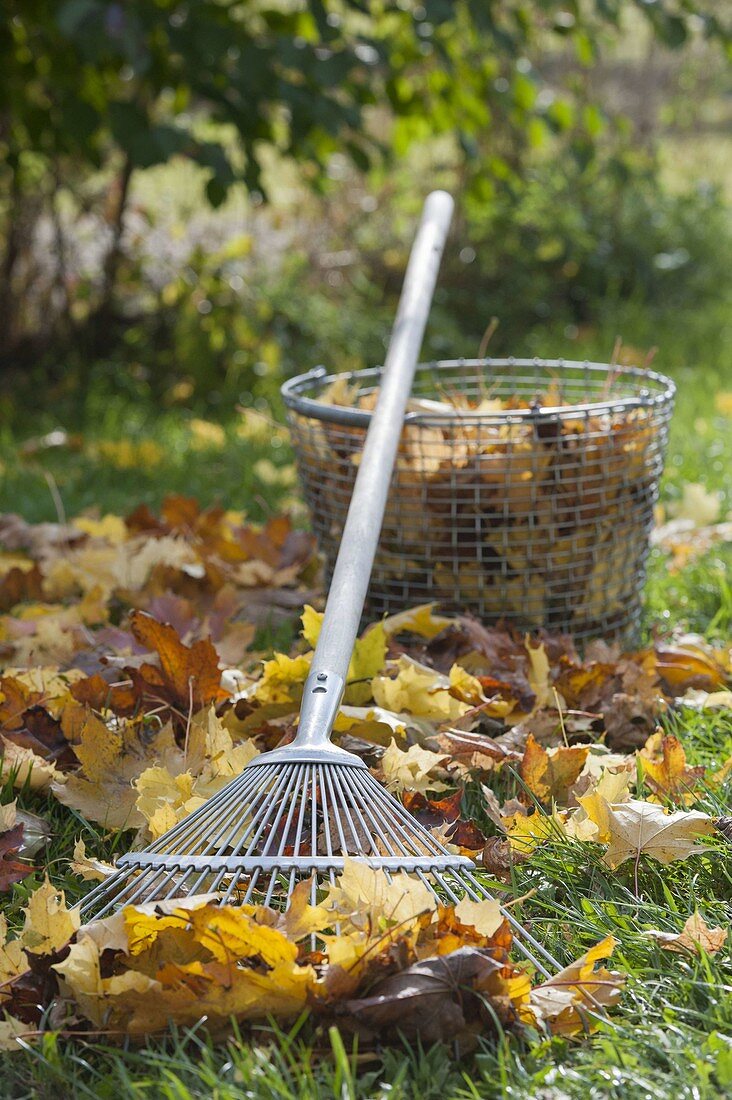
x=325, y=685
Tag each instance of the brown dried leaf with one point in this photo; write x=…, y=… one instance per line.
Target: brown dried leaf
x=696, y=937
x=11, y=869
x=433, y=1000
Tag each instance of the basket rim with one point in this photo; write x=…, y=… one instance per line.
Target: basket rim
x=293, y=393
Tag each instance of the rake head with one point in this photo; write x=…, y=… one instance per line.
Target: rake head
x=280, y=823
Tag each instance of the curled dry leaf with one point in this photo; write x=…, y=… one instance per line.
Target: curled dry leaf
x=696, y=937
x=571, y=1001
x=432, y=1000
x=444, y=817
x=88, y=868
x=419, y=690
x=499, y=857
x=12, y=870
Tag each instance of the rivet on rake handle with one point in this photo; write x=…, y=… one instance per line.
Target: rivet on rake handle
x=299, y=812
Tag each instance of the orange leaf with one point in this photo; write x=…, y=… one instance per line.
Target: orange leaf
x=189, y=676
x=669, y=776
x=549, y=775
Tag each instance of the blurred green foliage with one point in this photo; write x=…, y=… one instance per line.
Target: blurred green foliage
x=93, y=91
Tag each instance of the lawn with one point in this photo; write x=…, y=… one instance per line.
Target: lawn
x=672, y=1035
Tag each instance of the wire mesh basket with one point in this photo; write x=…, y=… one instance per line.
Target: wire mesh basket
x=523, y=490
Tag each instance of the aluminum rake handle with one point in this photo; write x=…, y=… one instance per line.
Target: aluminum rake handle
x=324, y=687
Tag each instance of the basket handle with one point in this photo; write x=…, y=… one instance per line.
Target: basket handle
x=325, y=685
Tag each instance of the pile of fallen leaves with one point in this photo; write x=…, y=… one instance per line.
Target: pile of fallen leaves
x=397, y=960
x=131, y=692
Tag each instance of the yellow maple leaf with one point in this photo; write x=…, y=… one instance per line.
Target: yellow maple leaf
x=230, y=932
x=484, y=916
x=371, y=912
x=614, y=783
x=410, y=769
x=283, y=678
x=526, y=831
x=418, y=690
x=164, y=799
x=111, y=528
x=367, y=659
x=12, y=1030
x=13, y=960
x=302, y=917
x=366, y=898
x=143, y=924
x=91, y=870
x=564, y=1002
x=115, y=754
x=203, y=974
x=48, y=923
x=370, y=723
x=211, y=751
x=466, y=687
x=369, y=654
x=591, y=820
x=26, y=767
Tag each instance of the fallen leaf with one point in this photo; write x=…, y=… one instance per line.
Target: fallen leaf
x=637, y=828
x=367, y=659
x=444, y=817
x=222, y=963
x=526, y=832
x=434, y=1000
x=25, y=767
x=411, y=769
x=419, y=620
x=539, y=674
x=568, y=1002
x=417, y=690
x=499, y=857
x=49, y=925
x=11, y=1031
x=189, y=676
x=90, y=869
x=367, y=898
x=669, y=776
x=12, y=870
x=549, y=773
x=113, y=756
x=696, y=937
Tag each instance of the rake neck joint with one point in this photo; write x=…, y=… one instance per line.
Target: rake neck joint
x=321, y=699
